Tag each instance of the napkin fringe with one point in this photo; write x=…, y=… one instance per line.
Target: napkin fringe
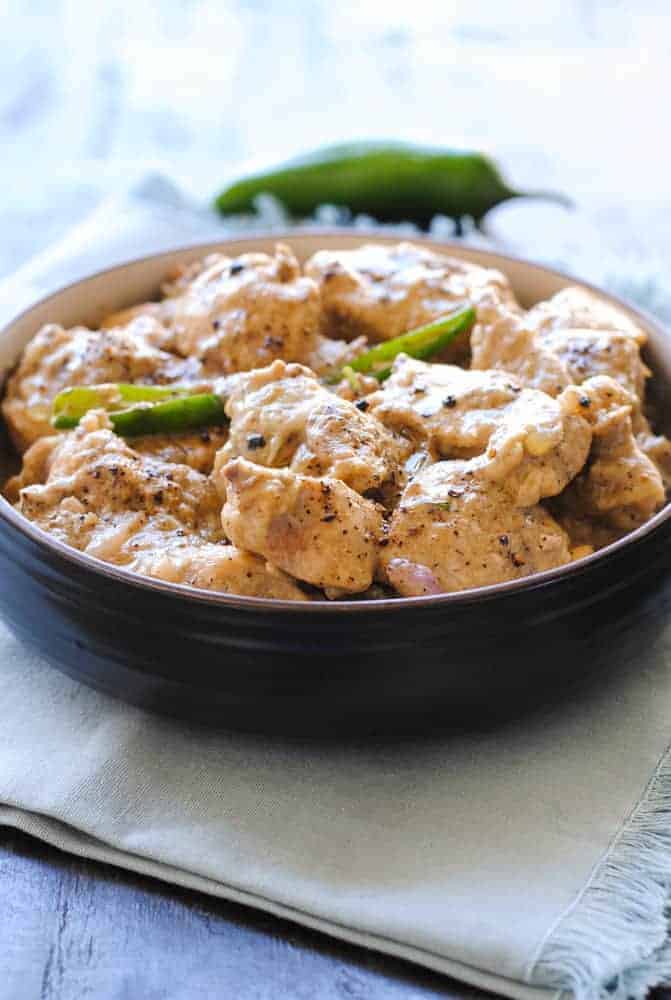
x=614, y=942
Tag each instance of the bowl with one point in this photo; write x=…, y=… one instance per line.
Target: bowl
x=326, y=666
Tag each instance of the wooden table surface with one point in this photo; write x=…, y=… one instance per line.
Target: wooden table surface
x=72, y=929
x=567, y=92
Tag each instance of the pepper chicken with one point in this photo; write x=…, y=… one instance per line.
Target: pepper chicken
x=524, y=444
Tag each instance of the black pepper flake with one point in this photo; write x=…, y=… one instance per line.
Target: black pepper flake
x=450, y=402
x=504, y=539
x=585, y=401
x=216, y=323
x=255, y=441
x=328, y=517
x=236, y=268
x=271, y=343
x=362, y=404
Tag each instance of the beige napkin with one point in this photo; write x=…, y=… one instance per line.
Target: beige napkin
x=528, y=859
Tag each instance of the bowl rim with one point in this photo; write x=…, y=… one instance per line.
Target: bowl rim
x=271, y=605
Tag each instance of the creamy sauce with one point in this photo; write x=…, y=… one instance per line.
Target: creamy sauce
x=530, y=448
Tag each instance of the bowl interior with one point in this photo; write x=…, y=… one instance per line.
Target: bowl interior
x=87, y=301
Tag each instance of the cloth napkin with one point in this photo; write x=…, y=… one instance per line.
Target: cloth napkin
x=529, y=859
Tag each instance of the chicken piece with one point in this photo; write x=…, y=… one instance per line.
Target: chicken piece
x=211, y=566
x=449, y=411
x=455, y=413
x=586, y=353
x=454, y=530
x=589, y=533
x=181, y=276
x=620, y=486
x=161, y=313
x=57, y=358
x=382, y=291
x=283, y=416
x=569, y=338
x=508, y=343
x=540, y=445
x=240, y=314
x=546, y=353
x=575, y=308
x=97, y=471
x=35, y=466
x=464, y=524
x=656, y=447
x=197, y=449
x=94, y=492
x=317, y=530
x=326, y=355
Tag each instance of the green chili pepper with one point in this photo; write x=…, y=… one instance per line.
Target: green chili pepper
x=180, y=414
x=423, y=342
x=177, y=413
x=392, y=181
x=70, y=405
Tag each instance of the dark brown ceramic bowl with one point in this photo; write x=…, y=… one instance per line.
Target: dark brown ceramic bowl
x=318, y=667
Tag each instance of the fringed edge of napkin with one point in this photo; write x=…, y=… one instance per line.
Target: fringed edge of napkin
x=614, y=942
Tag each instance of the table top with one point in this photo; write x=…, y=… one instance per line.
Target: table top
x=566, y=93
x=72, y=928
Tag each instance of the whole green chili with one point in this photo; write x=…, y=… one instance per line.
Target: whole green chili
x=392, y=181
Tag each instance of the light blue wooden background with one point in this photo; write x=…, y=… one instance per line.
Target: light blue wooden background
x=571, y=93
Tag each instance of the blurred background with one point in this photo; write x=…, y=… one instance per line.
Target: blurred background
x=571, y=94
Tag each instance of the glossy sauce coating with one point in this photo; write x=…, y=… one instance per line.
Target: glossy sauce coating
x=531, y=448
